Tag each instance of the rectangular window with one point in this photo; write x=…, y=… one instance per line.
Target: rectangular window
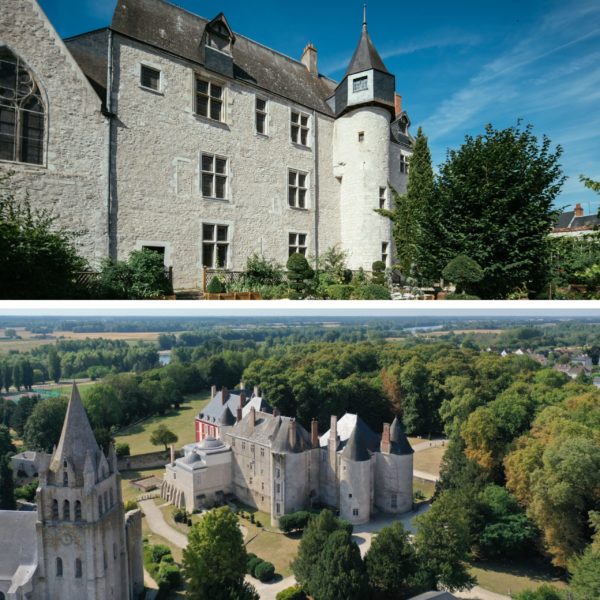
x=360, y=84
x=384, y=252
x=278, y=508
x=278, y=488
x=150, y=78
x=262, y=451
x=215, y=250
x=361, y=136
x=261, y=116
x=403, y=164
x=297, y=243
x=355, y=512
x=243, y=445
x=214, y=176
x=277, y=473
x=297, y=189
x=394, y=501
x=209, y=99
x=300, y=128
x=382, y=197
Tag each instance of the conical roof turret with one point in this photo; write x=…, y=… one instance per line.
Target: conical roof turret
x=76, y=439
x=356, y=447
x=365, y=56
x=400, y=443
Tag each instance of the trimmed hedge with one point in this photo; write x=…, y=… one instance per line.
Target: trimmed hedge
x=339, y=292
x=371, y=291
x=291, y=593
x=252, y=563
x=159, y=562
x=264, y=571
x=216, y=286
x=294, y=521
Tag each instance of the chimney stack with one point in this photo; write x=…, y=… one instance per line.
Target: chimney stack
x=333, y=429
x=252, y=416
x=309, y=59
x=398, y=104
x=213, y=391
x=242, y=386
x=242, y=399
x=386, y=444
x=578, y=210
x=172, y=448
x=314, y=433
x=256, y=391
x=292, y=431
x=276, y=412
x=224, y=395
x=239, y=414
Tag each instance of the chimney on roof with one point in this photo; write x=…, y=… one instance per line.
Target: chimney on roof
x=333, y=429
x=386, y=445
x=314, y=433
x=398, y=105
x=213, y=391
x=578, y=210
x=256, y=391
x=292, y=432
x=224, y=395
x=242, y=385
x=172, y=447
x=252, y=416
x=276, y=412
x=309, y=59
x=239, y=414
x=242, y=399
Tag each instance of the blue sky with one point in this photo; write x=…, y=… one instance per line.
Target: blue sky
x=459, y=65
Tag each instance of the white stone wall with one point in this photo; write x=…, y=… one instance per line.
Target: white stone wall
x=159, y=142
x=72, y=181
x=364, y=168
x=394, y=475
x=356, y=488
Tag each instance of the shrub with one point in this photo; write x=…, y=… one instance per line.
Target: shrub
x=264, y=571
x=462, y=271
x=122, y=450
x=180, y=515
x=169, y=576
x=378, y=272
x=461, y=297
x=26, y=492
x=216, y=286
x=300, y=276
x=339, y=292
x=291, y=593
x=345, y=525
x=260, y=271
x=294, y=521
x=157, y=552
x=371, y=291
x=252, y=563
x=130, y=505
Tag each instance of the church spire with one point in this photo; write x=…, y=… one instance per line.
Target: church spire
x=76, y=439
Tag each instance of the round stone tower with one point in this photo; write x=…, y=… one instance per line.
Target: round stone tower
x=364, y=104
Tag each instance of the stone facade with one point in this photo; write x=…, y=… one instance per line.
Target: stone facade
x=148, y=141
x=83, y=546
x=272, y=463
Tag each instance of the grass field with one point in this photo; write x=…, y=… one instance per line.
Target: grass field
x=427, y=488
x=180, y=422
x=429, y=460
x=129, y=491
x=512, y=578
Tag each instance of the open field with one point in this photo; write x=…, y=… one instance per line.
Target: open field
x=427, y=488
x=180, y=422
x=511, y=578
x=429, y=460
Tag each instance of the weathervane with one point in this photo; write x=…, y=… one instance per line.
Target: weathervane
x=365, y=15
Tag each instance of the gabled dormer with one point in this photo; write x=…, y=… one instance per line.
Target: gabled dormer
x=217, y=42
x=367, y=81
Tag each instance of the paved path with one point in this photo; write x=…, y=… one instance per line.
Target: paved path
x=429, y=444
x=478, y=593
x=425, y=476
x=156, y=522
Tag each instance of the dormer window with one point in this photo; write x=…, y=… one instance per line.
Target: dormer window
x=218, y=42
x=360, y=84
x=219, y=35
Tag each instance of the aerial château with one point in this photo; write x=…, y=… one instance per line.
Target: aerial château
x=169, y=131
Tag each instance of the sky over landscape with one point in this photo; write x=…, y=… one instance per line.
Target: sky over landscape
x=458, y=65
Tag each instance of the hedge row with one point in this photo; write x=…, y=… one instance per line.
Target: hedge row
x=257, y=567
x=159, y=562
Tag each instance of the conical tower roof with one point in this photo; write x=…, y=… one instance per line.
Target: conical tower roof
x=77, y=438
x=400, y=443
x=365, y=56
x=356, y=447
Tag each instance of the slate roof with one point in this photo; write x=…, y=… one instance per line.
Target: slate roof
x=77, y=438
x=273, y=432
x=226, y=414
x=356, y=447
x=346, y=427
x=365, y=56
x=564, y=220
x=400, y=443
x=568, y=221
x=19, y=542
x=179, y=32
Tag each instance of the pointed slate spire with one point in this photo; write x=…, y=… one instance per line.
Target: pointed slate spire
x=365, y=56
x=356, y=447
x=400, y=443
x=76, y=439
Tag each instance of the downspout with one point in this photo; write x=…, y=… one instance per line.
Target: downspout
x=317, y=188
x=109, y=139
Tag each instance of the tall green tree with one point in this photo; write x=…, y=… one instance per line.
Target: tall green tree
x=54, y=365
x=7, y=485
x=494, y=203
x=17, y=375
x=409, y=213
x=391, y=563
x=103, y=407
x=6, y=375
x=6, y=444
x=43, y=427
x=162, y=435
x=215, y=559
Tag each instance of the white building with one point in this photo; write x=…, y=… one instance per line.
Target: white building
x=168, y=131
x=79, y=544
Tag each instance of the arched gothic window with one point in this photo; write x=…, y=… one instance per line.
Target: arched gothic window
x=78, y=510
x=66, y=511
x=55, y=510
x=100, y=505
x=21, y=112
x=59, y=567
x=78, y=568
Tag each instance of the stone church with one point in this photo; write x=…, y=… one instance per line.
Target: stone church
x=79, y=543
x=272, y=463
x=169, y=131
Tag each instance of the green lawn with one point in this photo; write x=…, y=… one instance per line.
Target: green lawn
x=129, y=491
x=430, y=460
x=180, y=422
x=513, y=577
x=426, y=487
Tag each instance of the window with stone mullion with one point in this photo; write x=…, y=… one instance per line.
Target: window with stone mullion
x=215, y=246
x=209, y=100
x=214, y=176
x=300, y=128
x=297, y=189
